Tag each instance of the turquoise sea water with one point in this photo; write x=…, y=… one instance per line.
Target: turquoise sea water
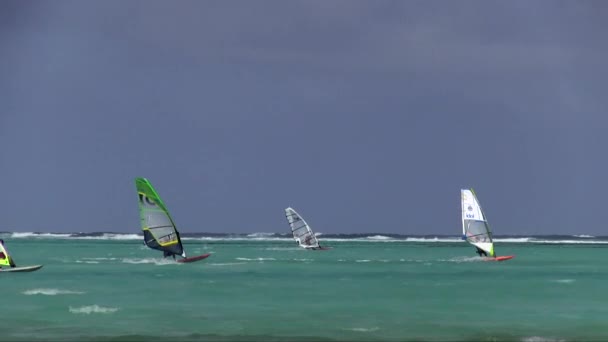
x=271, y=290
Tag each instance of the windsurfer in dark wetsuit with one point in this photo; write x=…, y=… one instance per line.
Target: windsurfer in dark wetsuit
x=481, y=252
x=168, y=254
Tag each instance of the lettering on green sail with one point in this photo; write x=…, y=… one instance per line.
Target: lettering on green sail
x=146, y=200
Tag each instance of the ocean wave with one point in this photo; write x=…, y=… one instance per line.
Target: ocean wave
x=570, y=242
x=515, y=240
x=435, y=239
x=541, y=339
x=87, y=310
x=260, y=235
x=51, y=292
x=462, y=259
x=110, y=236
x=235, y=239
x=255, y=259
x=154, y=261
x=81, y=236
x=294, y=248
x=363, y=329
x=564, y=281
x=226, y=263
x=379, y=237
x=26, y=235
x=286, y=237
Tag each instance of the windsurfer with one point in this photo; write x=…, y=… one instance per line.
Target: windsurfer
x=4, y=256
x=481, y=252
x=168, y=254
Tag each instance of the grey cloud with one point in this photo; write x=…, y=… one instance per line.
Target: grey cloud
x=367, y=116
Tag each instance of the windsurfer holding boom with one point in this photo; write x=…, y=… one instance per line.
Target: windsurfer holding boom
x=168, y=254
x=481, y=252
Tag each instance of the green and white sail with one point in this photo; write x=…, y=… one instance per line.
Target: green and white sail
x=159, y=229
x=302, y=233
x=475, y=228
x=5, y=258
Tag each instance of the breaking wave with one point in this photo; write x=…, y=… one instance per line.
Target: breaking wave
x=379, y=237
x=364, y=329
x=150, y=261
x=87, y=310
x=51, y=292
x=564, y=281
x=256, y=259
x=367, y=237
x=541, y=339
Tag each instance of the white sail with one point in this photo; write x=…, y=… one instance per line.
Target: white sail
x=475, y=227
x=302, y=233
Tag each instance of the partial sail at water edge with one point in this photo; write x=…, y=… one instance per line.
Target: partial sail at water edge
x=301, y=230
x=4, y=257
x=158, y=227
x=475, y=227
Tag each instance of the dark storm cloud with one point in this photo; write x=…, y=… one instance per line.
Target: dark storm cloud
x=365, y=116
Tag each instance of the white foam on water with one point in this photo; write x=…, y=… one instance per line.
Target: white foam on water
x=303, y=259
x=87, y=310
x=463, y=259
x=226, y=263
x=541, y=339
x=208, y=238
x=42, y=235
x=379, y=237
x=372, y=329
x=149, y=261
x=260, y=235
x=564, y=281
x=363, y=260
x=256, y=259
x=516, y=240
x=87, y=262
x=584, y=236
x=51, y=292
x=571, y=242
x=110, y=236
x=435, y=239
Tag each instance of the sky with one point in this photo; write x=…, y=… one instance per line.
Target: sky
x=365, y=116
